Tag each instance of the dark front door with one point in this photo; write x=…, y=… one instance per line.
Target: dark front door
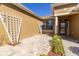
x=63, y=27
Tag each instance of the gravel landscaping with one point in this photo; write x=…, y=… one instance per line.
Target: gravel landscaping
x=36, y=45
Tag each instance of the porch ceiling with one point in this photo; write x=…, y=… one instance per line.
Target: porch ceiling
x=71, y=11
x=48, y=17
x=76, y=9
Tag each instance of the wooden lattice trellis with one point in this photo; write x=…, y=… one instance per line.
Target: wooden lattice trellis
x=12, y=24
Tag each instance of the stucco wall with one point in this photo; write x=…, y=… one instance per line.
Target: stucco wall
x=29, y=23
x=74, y=25
x=3, y=34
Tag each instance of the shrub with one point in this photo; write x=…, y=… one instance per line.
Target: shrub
x=56, y=45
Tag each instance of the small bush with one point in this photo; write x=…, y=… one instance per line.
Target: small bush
x=56, y=45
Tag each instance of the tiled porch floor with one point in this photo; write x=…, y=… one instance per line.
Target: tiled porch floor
x=71, y=46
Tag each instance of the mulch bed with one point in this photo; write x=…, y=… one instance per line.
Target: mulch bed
x=53, y=54
x=14, y=44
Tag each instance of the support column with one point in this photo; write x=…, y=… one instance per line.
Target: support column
x=40, y=27
x=56, y=25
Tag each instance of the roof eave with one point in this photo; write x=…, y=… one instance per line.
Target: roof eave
x=25, y=9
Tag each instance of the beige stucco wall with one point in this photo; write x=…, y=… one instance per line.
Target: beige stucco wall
x=29, y=23
x=3, y=35
x=74, y=26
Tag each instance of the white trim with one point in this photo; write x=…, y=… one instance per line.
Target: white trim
x=19, y=29
x=40, y=28
x=67, y=13
x=10, y=27
x=7, y=21
x=64, y=14
x=61, y=14
x=15, y=20
x=6, y=29
x=14, y=24
x=56, y=25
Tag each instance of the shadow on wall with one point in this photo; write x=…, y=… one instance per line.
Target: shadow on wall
x=75, y=50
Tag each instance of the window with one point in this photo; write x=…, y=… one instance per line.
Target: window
x=47, y=25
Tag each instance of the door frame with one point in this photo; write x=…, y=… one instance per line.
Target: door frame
x=66, y=26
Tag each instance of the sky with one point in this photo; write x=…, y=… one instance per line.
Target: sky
x=40, y=9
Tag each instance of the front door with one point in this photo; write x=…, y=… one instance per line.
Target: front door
x=63, y=27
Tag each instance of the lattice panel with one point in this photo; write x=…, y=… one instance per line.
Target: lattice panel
x=12, y=23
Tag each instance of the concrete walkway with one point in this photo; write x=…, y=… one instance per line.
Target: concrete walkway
x=71, y=47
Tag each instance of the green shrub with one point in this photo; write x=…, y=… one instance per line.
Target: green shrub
x=56, y=45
